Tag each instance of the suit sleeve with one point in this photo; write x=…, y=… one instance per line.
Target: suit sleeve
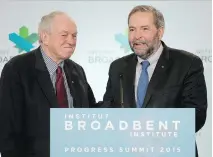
x=108, y=96
x=91, y=97
x=195, y=93
x=11, y=111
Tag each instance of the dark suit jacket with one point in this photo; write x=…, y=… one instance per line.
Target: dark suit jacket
x=177, y=82
x=26, y=96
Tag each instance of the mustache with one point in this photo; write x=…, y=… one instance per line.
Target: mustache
x=139, y=42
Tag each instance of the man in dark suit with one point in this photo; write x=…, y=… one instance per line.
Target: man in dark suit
x=34, y=82
x=156, y=76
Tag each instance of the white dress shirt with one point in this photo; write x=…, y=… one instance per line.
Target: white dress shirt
x=153, y=59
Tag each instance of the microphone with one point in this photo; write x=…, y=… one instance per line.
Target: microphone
x=121, y=91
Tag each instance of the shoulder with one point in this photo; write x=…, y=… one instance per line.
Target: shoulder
x=123, y=60
x=184, y=58
x=182, y=54
x=73, y=64
x=22, y=61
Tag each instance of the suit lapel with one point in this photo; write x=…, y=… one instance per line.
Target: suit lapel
x=128, y=81
x=74, y=84
x=159, y=75
x=44, y=80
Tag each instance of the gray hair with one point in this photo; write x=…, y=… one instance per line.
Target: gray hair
x=46, y=21
x=158, y=16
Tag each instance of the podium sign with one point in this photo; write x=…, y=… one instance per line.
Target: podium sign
x=122, y=132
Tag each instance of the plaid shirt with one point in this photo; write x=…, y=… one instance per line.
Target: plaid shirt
x=52, y=67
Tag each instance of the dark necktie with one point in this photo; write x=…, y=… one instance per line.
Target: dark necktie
x=60, y=89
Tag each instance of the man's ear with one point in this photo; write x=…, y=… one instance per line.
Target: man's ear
x=160, y=33
x=44, y=37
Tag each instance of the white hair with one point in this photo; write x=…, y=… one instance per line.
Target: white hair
x=47, y=20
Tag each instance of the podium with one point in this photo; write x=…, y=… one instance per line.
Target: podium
x=122, y=132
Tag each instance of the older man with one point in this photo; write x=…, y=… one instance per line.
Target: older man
x=34, y=82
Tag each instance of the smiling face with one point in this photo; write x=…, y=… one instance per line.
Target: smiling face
x=144, y=36
x=61, y=40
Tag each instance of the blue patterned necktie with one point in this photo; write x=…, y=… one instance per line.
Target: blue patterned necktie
x=142, y=84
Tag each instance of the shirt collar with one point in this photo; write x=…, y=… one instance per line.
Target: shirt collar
x=51, y=65
x=154, y=57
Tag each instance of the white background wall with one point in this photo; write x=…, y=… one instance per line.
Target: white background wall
x=188, y=27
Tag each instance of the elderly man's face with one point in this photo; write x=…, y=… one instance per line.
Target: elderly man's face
x=144, y=37
x=61, y=41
